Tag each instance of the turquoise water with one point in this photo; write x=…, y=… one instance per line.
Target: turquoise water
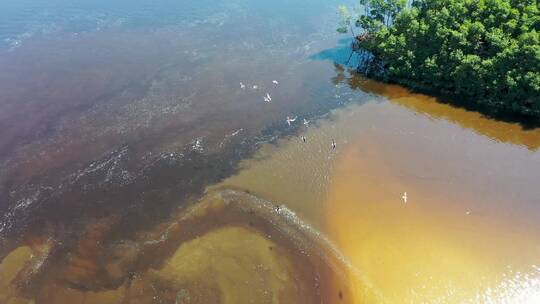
x=21, y=20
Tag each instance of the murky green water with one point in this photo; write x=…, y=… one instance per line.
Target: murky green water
x=140, y=163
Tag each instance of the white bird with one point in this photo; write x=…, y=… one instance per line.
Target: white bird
x=289, y=120
x=267, y=98
x=468, y=213
x=275, y=82
x=255, y=87
x=404, y=197
x=333, y=144
x=303, y=138
x=242, y=86
x=306, y=122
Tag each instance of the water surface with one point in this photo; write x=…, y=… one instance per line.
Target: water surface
x=135, y=167
x=467, y=232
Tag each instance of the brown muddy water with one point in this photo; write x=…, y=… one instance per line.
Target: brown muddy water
x=135, y=167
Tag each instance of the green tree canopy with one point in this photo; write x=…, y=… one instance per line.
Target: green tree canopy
x=486, y=51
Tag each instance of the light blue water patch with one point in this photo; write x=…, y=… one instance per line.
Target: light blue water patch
x=341, y=54
x=23, y=19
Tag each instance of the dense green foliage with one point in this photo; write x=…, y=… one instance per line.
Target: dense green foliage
x=485, y=51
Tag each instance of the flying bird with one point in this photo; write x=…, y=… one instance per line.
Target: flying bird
x=275, y=82
x=303, y=138
x=242, y=86
x=289, y=120
x=333, y=144
x=306, y=122
x=404, y=197
x=267, y=98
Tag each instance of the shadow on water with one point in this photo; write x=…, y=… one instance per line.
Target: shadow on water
x=343, y=55
x=500, y=126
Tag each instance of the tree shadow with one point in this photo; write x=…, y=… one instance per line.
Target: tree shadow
x=349, y=62
x=342, y=54
x=497, y=125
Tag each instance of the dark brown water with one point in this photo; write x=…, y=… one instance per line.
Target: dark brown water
x=135, y=167
x=98, y=120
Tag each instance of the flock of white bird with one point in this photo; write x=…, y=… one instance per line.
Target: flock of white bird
x=290, y=121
